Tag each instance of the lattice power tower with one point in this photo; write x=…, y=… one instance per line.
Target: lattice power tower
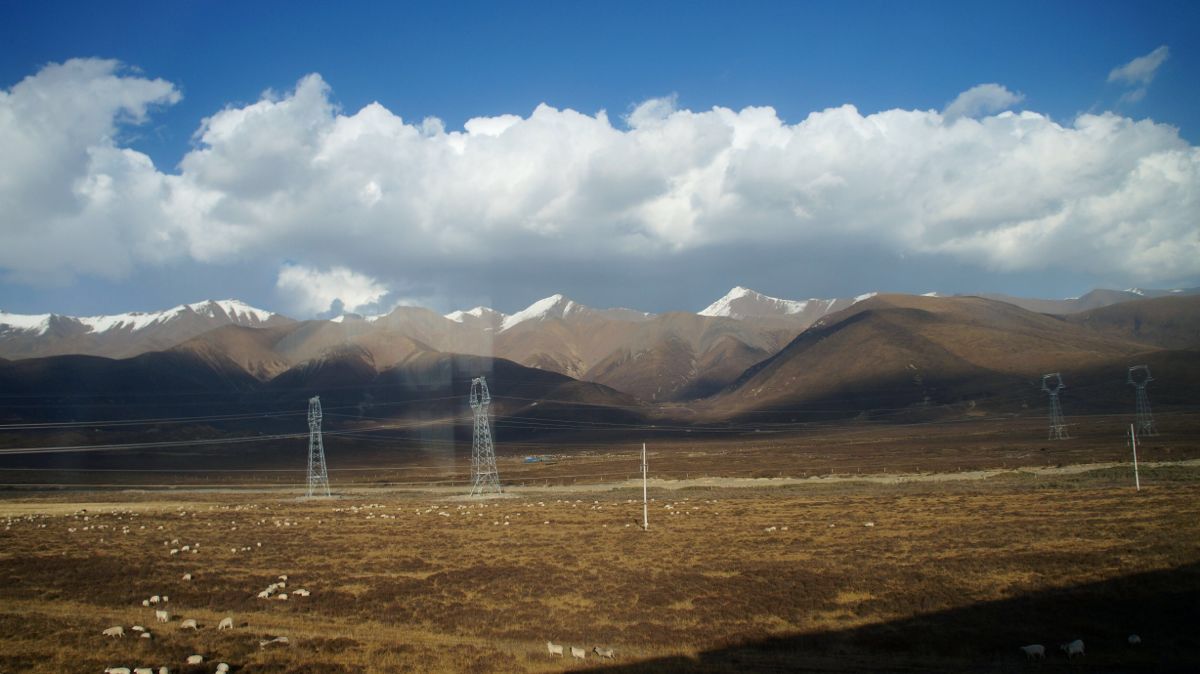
x=484, y=477
x=1139, y=376
x=318, y=476
x=1052, y=383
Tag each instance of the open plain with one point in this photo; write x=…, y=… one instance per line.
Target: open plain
x=930, y=571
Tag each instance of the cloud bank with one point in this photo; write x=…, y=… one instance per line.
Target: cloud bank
x=373, y=199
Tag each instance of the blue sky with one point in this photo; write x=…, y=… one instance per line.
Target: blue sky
x=472, y=60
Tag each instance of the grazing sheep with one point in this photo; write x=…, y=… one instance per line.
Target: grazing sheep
x=604, y=652
x=282, y=596
x=301, y=593
x=117, y=631
x=116, y=670
x=222, y=668
x=283, y=577
x=195, y=659
x=174, y=551
x=138, y=628
x=146, y=603
x=578, y=653
x=1134, y=640
x=166, y=599
x=190, y=622
x=143, y=670
x=1073, y=648
x=164, y=670
x=155, y=599
x=146, y=635
x=555, y=649
x=264, y=595
x=1034, y=651
x=187, y=576
x=226, y=624
x=162, y=616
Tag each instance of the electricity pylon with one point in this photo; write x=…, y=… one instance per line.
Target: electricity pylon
x=1139, y=376
x=318, y=476
x=1052, y=383
x=484, y=476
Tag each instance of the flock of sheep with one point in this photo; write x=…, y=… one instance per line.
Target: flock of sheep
x=1071, y=648
x=579, y=653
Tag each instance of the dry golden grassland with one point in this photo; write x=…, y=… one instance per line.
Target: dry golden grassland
x=951, y=576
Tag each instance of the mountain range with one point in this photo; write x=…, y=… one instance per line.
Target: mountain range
x=747, y=355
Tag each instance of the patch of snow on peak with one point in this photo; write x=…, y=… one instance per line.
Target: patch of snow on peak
x=133, y=320
x=741, y=302
x=235, y=309
x=932, y=293
x=864, y=296
x=39, y=323
x=1135, y=291
x=539, y=310
x=1177, y=290
x=477, y=312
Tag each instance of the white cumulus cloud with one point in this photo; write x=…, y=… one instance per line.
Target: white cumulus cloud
x=313, y=291
x=293, y=177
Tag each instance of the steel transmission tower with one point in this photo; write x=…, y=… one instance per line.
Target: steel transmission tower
x=1139, y=376
x=318, y=476
x=484, y=477
x=1052, y=383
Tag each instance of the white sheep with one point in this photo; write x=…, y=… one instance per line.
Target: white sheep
x=116, y=670
x=604, y=652
x=146, y=603
x=282, y=596
x=578, y=653
x=143, y=670
x=1134, y=640
x=1073, y=648
x=146, y=635
x=162, y=616
x=155, y=599
x=555, y=649
x=189, y=623
x=187, y=576
x=138, y=628
x=226, y=624
x=164, y=670
x=1034, y=651
x=222, y=668
x=116, y=631
x=195, y=659
x=166, y=599
x=301, y=592
x=264, y=595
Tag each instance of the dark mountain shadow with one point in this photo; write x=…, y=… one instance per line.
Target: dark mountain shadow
x=1162, y=607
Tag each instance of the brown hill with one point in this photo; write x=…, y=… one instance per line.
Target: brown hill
x=1165, y=322
x=898, y=351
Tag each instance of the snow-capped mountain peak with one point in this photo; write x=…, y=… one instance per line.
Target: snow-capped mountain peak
x=743, y=302
x=232, y=311
x=476, y=313
x=555, y=306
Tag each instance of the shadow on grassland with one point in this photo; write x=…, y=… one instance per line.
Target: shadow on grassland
x=1162, y=607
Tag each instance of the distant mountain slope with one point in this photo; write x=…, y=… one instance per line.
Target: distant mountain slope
x=1093, y=300
x=895, y=351
x=1171, y=322
x=123, y=335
